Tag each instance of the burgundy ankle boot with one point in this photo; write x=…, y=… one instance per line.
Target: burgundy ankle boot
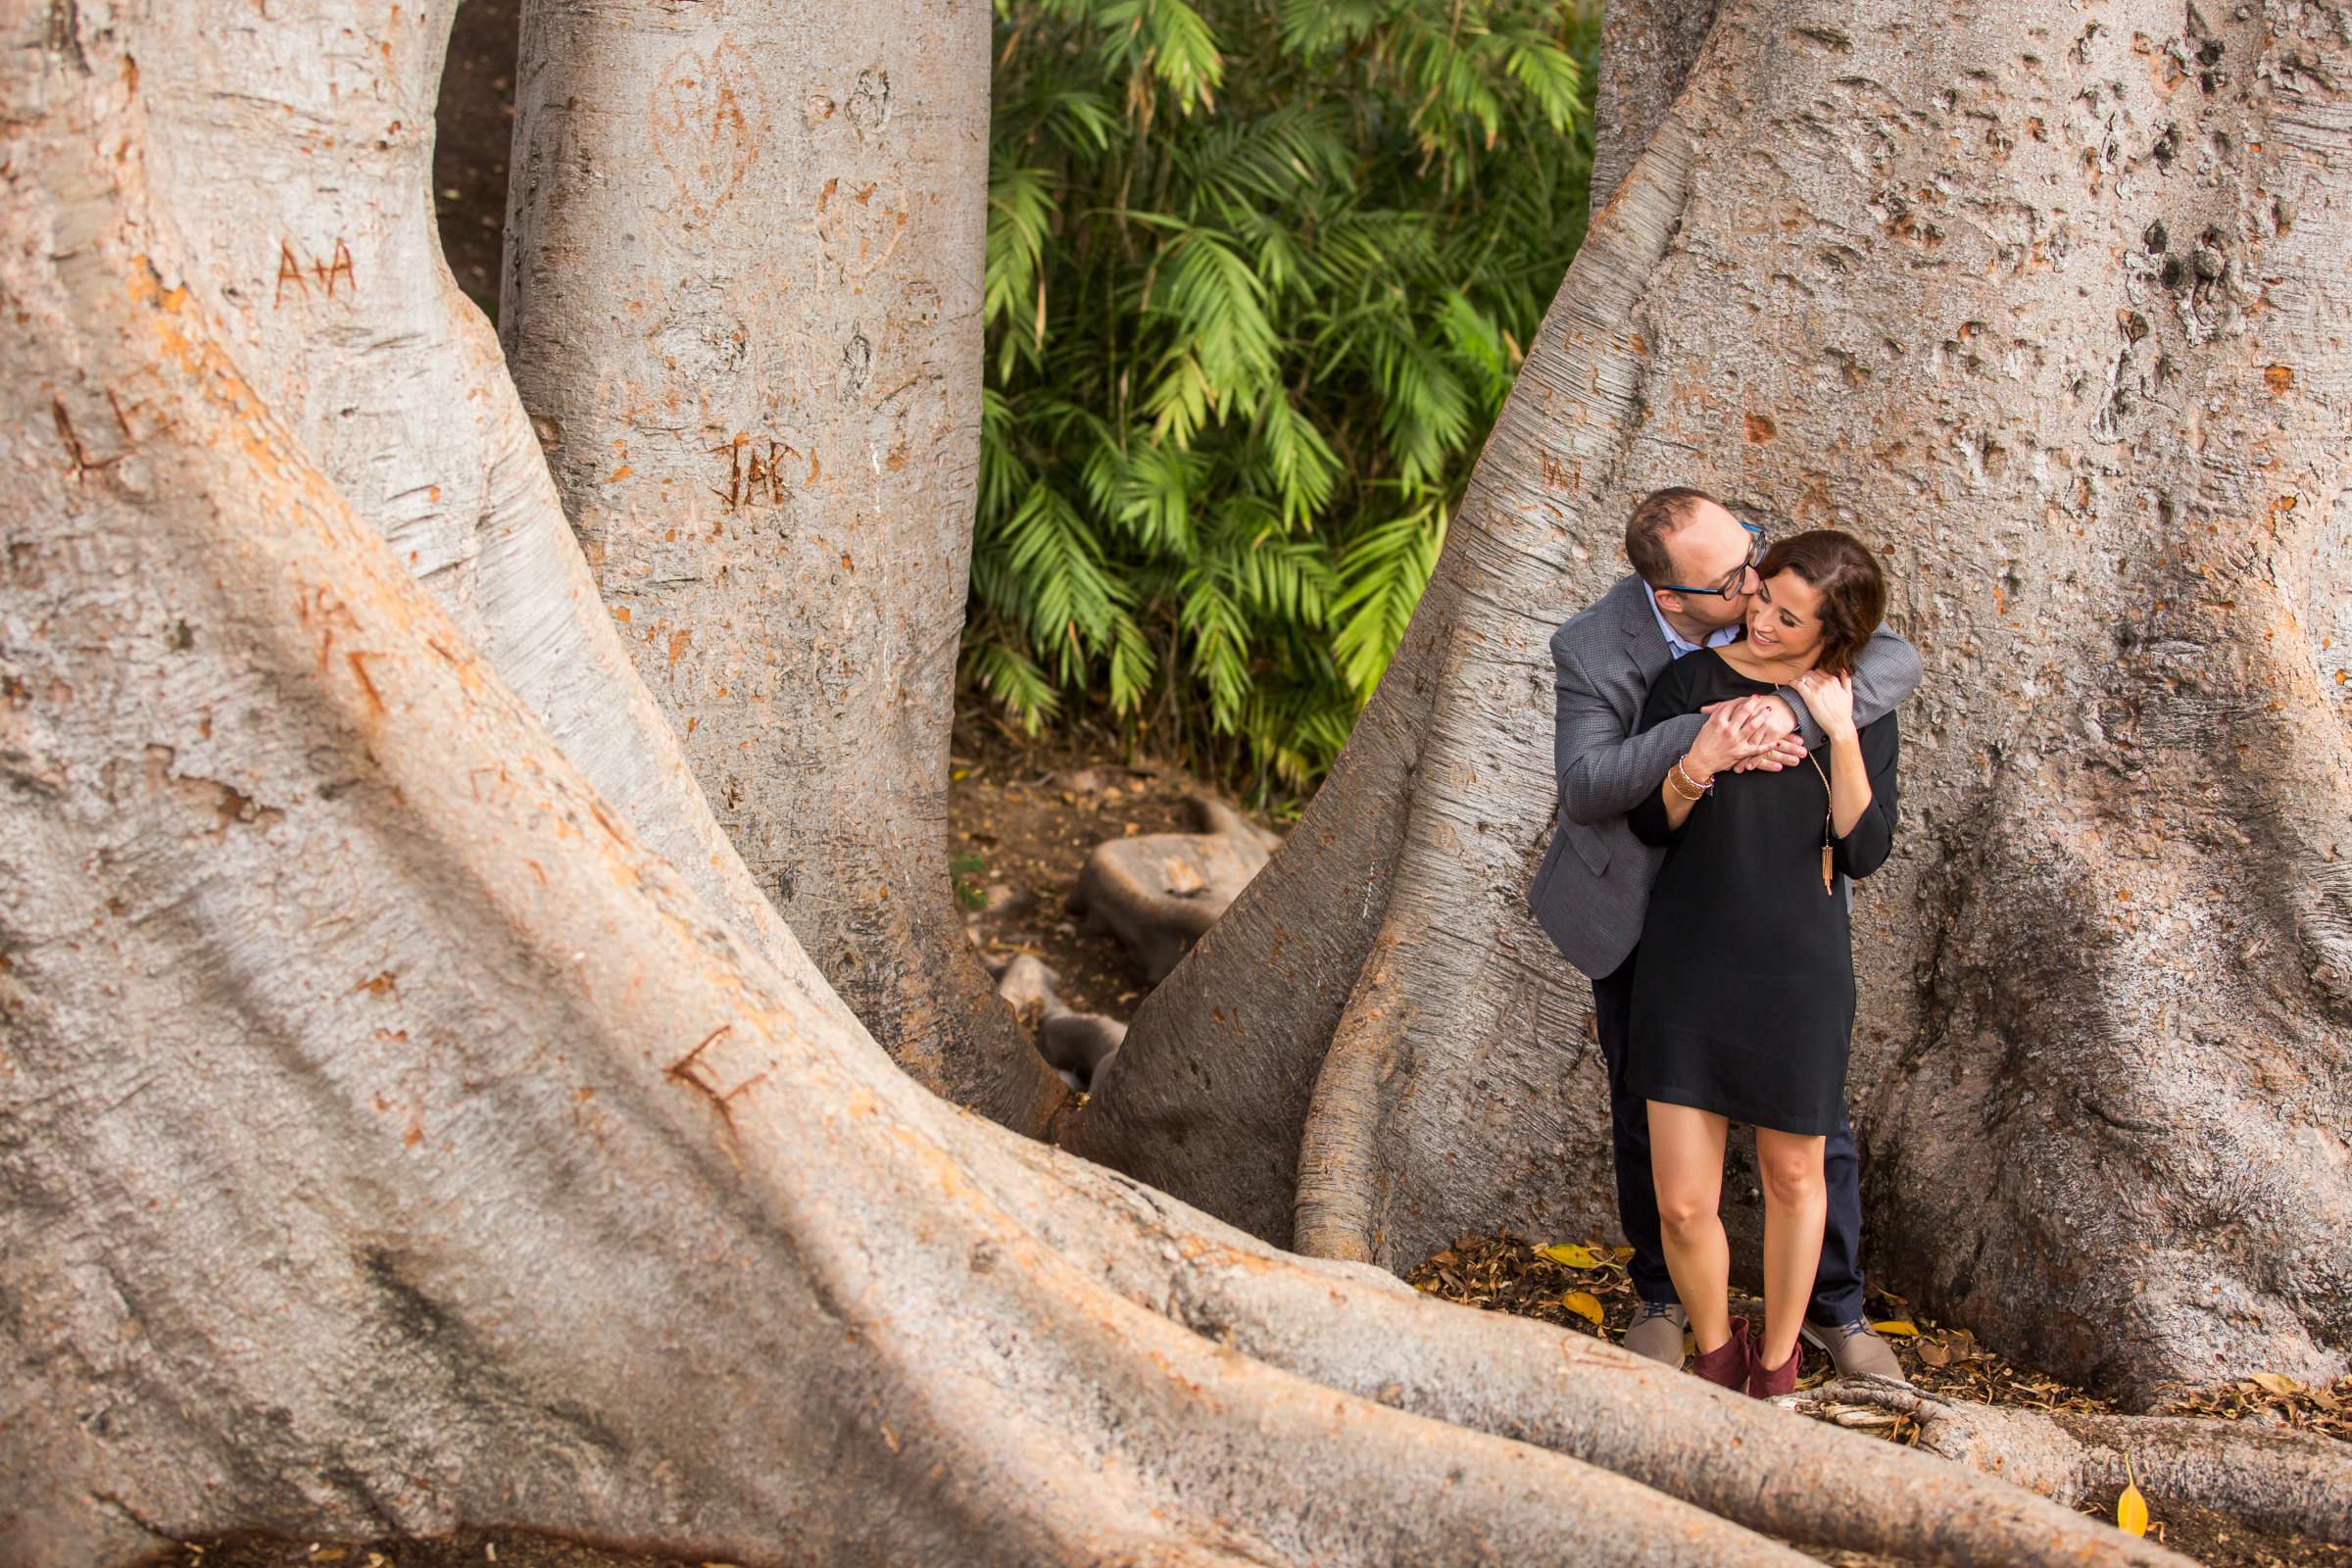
x=1727, y=1364
x=1765, y=1382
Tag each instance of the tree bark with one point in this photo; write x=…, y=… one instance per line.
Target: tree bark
x=1647, y=51
x=393, y=1141
x=2043, y=312
x=301, y=159
x=742, y=302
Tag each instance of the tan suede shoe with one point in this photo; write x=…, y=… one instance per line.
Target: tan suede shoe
x=1855, y=1350
x=1657, y=1333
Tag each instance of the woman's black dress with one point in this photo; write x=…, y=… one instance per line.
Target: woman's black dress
x=1743, y=994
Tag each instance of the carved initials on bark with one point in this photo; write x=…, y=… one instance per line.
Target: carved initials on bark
x=748, y=470
x=290, y=269
x=710, y=118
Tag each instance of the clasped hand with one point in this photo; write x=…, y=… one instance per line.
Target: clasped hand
x=1747, y=733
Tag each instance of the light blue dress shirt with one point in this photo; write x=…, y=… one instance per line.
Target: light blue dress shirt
x=1675, y=643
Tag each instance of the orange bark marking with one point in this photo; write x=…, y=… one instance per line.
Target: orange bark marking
x=1761, y=429
x=337, y=268
x=288, y=269
x=622, y=473
x=381, y=985
x=596, y=810
x=677, y=645
x=682, y=1070
x=358, y=668
x=2277, y=379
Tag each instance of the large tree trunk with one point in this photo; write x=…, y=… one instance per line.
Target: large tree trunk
x=743, y=305
x=2048, y=312
x=301, y=158
x=391, y=1139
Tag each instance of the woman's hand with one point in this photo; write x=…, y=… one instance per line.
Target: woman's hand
x=1831, y=700
x=1732, y=733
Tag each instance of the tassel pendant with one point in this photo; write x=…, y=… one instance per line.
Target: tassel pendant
x=1828, y=883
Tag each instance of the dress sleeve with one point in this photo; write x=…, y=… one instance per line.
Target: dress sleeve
x=1865, y=848
x=1669, y=698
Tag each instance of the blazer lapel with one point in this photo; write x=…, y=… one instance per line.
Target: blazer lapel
x=1649, y=650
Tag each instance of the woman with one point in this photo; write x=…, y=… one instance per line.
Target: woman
x=1744, y=998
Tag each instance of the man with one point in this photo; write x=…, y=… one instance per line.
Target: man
x=1694, y=574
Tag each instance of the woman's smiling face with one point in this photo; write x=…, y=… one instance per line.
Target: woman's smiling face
x=1784, y=618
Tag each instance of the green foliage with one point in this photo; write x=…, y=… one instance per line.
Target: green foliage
x=1258, y=279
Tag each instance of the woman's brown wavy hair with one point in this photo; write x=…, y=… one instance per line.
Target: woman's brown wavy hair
x=1853, y=593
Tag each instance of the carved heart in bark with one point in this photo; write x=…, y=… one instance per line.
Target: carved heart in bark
x=859, y=223
x=709, y=119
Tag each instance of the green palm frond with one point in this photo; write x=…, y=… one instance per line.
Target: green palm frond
x=1172, y=39
x=1258, y=278
x=1012, y=678
x=1071, y=599
x=1382, y=576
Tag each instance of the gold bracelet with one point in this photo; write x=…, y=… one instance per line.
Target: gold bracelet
x=1690, y=787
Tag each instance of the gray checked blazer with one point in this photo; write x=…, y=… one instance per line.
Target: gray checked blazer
x=1592, y=887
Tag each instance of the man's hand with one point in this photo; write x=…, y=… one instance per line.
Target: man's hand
x=1768, y=718
x=1739, y=733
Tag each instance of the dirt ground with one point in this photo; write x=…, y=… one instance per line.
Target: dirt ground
x=1508, y=1274
x=473, y=132
x=1022, y=820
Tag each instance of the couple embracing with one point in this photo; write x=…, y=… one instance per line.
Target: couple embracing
x=1726, y=755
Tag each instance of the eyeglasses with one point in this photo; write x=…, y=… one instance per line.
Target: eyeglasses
x=1731, y=586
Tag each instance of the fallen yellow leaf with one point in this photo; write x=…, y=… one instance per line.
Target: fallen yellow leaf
x=2277, y=1383
x=1897, y=1327
x=1584, y=1304
x=2132, y=1512
x=1621, y=1255
x=1571, y=1255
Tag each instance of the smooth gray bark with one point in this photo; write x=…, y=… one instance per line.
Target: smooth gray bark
x=742, y=302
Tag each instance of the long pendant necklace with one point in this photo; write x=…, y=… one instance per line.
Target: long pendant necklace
x=1828, y=883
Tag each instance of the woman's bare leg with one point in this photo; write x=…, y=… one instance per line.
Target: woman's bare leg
x=1685, y=1163
x=1796, y=1204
